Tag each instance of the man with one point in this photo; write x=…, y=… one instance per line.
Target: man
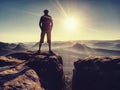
x=46, y=25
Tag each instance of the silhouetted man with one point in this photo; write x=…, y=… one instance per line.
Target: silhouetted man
x=46, y=25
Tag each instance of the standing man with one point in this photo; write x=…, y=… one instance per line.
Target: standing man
x=46, y=25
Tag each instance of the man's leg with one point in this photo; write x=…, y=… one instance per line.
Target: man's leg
x=41, y=40
x=49, y=40
x=40, y=44
x=49, y=46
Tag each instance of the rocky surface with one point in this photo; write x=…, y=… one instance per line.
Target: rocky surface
x=96, y=74
x=14, y=75
x=31, y=71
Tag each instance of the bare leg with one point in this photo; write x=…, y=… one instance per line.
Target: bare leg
x=49, y=44
x=41, y=40
x=40, y=44
x=49, y=40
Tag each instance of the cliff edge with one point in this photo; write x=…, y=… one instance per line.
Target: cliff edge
x=31, y=71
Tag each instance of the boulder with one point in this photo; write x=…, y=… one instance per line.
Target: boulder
x=101, y=73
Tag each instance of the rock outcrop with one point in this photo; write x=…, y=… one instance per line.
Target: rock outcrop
x=96, y=74
x=14, y=75
x=32, y=71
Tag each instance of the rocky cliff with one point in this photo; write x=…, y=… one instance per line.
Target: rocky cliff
x=96, y=74
x=31, y=71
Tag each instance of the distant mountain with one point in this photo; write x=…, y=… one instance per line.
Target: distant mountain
x=5, y=51
x=20, y=47
x=62, y=43
x=55, y=44
x=115, y=41
x=79, y=46
x=103, y=44
x=6, y=45
x=117, y=46
x=6, y=48
x=91, y=47
x=108, y=52
x=94, y=51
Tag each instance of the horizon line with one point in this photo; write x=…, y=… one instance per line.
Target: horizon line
x=62, y=40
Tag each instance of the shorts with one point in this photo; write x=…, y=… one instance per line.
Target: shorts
x=48, y=32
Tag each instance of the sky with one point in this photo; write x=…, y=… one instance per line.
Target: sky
x=96, y=19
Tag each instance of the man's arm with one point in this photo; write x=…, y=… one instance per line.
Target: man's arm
x=40, y=23
x=51, y=23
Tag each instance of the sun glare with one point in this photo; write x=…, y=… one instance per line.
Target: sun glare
x=71, y=23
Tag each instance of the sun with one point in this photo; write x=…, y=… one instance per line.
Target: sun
x=71, y=23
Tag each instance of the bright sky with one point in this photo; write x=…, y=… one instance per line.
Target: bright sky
x=90, y=19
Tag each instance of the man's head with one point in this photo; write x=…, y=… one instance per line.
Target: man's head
x=46, y=11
